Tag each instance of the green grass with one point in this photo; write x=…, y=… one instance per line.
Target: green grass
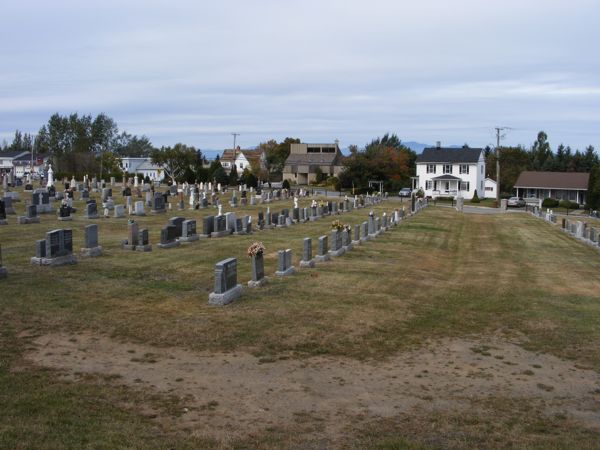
x=439, y=274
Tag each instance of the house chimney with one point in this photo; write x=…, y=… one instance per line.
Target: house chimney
x=438, y=144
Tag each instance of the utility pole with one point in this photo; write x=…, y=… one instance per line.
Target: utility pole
x=235, y=135
x=498, y=137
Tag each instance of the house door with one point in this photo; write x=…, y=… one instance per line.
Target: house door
x=447, y=183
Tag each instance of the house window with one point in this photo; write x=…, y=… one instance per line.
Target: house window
x=313, y=150
x=482, y=186
x=447, y=168
x=430, y=168
x=481, y=170
x=464, y=168
x=428, y=184
x=464, y=186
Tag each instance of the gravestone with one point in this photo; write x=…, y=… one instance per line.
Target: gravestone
x=207, y=226
x=336, y=244
x=55, y=250
x=64, y=213
x=579, y=227
x=219, y=227
x=258, y=271
x=143, y=241
x=119, y=211
x=91, y=247
x=226, y=287
x=3, y=271
x=3, y=220
x=168, y=237
x=8, y=205
x=178, y=223
x=356, y=236
x=188, y=231
x=132, y=236
x=30, y=217
x=322, y=250
x=364, y=232
x=307, y=260
x=158, y=204
x=230, y=221
x=91, y=210
x=284, y=263
x=139, y=209
x=372, y=228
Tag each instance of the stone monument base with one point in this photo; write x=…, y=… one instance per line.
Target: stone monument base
x=143, y=248
x=226, y=297
x=158, y=211
x=91, y=252
x=289, y=271
x=94, y=216
x=169, y=244
x=22, y=220
x=348, y=247
x=64, y=219
x=259, y=283
x=187, y=239
x=216, y=234
x=321, y=258
x=307, y=264
x=359, y=242
x=58, y=261
x=3, y=222
x=336, y=253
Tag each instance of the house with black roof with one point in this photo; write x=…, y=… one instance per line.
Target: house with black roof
x=451, y=172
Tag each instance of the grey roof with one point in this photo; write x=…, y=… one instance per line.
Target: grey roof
x=316, y=159
x=14, y=153
x=447, y=177
x=449, y=155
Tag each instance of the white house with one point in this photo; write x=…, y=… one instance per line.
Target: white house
x=7, y=160
x=243, y=159
x=448, y=172
x=490, y=188
x=143, y=167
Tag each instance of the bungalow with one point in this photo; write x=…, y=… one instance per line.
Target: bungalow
x=304, y=160
x=450, y=172
x=558, y=185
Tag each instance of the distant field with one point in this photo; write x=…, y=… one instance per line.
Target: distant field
x=448, y=331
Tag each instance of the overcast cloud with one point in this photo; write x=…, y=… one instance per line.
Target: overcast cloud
x=194, y=71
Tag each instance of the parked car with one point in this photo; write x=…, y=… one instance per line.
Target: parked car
x=516, y=201
x=405, y=192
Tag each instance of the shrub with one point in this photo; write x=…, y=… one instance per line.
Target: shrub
x=568, y=204
x=445, y=199
x=285, y=184
x=550, y=203
x=334, y=182
x=475, y=198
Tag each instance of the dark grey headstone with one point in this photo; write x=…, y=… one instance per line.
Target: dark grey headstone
x=258, y=267
x=91, y=236
x=208, y=225
x=225, y=275
x=188, y=228
x=40, y=248
x=322, y=246
x=178, y=223
x=307, y=249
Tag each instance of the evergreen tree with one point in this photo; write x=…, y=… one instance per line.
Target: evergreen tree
x=593, y=193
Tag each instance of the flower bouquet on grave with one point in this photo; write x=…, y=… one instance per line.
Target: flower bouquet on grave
x=337, y=225
x=256, y=249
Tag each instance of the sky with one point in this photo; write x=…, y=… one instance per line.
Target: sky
x=196, y=71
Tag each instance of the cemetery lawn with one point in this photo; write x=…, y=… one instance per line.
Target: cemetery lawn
x=448, y=331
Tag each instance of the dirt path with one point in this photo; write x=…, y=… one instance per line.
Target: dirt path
x=233, y=395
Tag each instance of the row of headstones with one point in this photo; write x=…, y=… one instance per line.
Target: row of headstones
x=227, y=289
x=582, y=231
x=575, y=228
x=57, y=247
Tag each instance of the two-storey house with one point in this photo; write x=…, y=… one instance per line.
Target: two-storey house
x=451, y=172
